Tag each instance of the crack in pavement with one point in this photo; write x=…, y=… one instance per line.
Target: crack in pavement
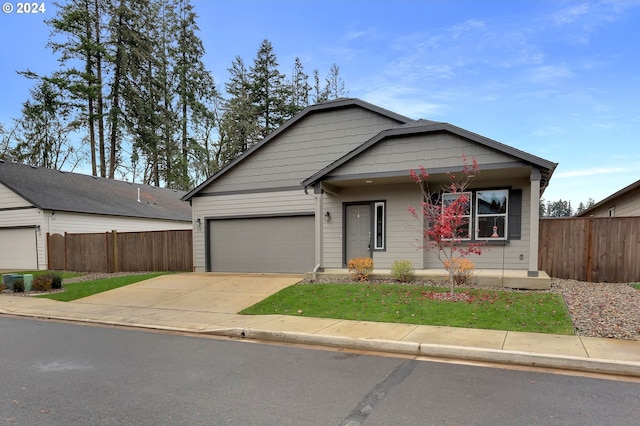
x=378, y=393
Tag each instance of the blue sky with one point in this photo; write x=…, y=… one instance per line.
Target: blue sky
x=558, y=79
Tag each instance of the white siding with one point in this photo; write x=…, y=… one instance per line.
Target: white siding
x=9, y=199
x=433, y=151
x=239, y=205
x=299, y=152
x=75, y=223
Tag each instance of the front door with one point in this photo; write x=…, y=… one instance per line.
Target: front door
x=358, y=231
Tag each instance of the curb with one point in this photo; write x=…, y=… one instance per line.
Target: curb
x=437, y=351
x=528, y=359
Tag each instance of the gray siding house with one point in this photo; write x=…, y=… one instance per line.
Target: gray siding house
x=625, y=202
x=36, y=201
x=333, y=183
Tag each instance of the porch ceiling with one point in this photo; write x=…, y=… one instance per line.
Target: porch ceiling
x=488, y=177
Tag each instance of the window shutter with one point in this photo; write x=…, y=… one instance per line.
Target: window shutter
x=515, y=214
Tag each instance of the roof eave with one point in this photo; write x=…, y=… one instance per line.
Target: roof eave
x=611, y=197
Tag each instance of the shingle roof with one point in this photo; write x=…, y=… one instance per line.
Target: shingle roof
x=55, y=190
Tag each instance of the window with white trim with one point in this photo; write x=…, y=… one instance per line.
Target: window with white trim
x=464, y=229
x=492, y=212
x=379, y=226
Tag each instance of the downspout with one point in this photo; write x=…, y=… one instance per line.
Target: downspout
x=314, y=275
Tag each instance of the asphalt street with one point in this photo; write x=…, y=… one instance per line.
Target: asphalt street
x=57, y=373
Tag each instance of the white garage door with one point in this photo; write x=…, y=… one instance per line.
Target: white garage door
x=18, y=249
x=272, y=244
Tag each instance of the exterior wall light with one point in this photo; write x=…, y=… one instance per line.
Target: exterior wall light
x=198, y=223
x=327, y=217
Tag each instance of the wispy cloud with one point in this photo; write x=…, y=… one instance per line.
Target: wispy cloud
x=548, y=131
x=549, y=74
x=470, y=25
x=405, y=100
x=570, y=14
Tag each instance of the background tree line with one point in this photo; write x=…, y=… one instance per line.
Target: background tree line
x=562, y=208
x=133, y=98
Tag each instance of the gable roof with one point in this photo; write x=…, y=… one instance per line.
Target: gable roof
x=49, y=189
x=611, y=198
x=426, y=126
x=322, y=107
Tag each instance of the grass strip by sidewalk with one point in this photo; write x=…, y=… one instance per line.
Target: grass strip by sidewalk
x=82, y=289
x=535, y=312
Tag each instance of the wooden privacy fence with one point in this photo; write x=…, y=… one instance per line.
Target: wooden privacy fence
x=121, y=252
x=596, y=249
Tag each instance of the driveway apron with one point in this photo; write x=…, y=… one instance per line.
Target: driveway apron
x=195, y=292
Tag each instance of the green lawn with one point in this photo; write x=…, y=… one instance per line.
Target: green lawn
x=636, y=286
x=87, y=288
x=412, y=304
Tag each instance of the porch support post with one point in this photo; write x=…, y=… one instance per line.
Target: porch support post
x=319, y=219
x=534, y=222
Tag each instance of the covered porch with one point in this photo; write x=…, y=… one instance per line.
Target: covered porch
x=516, y=279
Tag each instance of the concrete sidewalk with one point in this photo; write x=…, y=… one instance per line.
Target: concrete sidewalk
x=208, y=303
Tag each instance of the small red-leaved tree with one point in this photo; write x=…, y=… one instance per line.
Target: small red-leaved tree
x=446, y=217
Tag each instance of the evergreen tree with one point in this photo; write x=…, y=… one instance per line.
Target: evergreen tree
x=5, y=141
x=239, y=128
x=333, y=88
x=43, y=133
x=299, y=89
x=196, y=89
x=335, y=84
x=79, y=22
x=320, y=92
x=268, y=91
x=559, y=208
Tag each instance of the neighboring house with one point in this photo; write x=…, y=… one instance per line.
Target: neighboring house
x=36, y=201
x=333, y=183
x=625, y=202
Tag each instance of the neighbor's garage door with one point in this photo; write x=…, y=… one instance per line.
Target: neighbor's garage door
x=273, y=244
x=18, y=249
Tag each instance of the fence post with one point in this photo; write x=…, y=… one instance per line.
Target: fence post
x=590, y=249
x=66, y=264
x=48, y=253
x=116, y=266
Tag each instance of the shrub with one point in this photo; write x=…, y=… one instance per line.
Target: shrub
x=56, y=281
x=402, y=270
x=18, y=286
x=42, y=283
x=360, y=268
x=462, y=270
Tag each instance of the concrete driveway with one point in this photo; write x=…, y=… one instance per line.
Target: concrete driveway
x=195, y=292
